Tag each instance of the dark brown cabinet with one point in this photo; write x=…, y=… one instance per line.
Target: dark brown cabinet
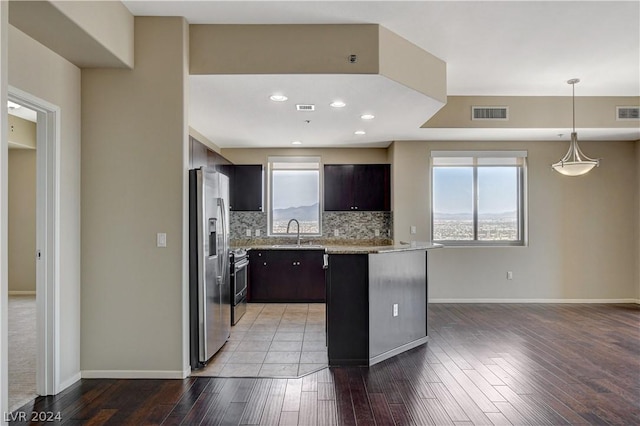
x=357, y=187
x=246, y=187
x=286, y=276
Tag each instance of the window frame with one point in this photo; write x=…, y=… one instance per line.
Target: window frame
x=270, y=169
x=522, y=212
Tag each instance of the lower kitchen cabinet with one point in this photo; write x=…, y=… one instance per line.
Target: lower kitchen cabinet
x=286, y=276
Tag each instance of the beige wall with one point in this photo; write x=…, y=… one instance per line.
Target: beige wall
x=22, y=220
x=582, y=231
x=134, y=154
x=37, y=70
x=22, y=133
x=328, y=155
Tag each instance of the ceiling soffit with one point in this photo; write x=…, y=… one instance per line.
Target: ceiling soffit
x=234, y=69
x=542, y=112
x=315, y=49
x=95, y=34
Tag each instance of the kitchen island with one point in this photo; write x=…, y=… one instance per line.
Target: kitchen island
x=376, y=295
x=376, y=302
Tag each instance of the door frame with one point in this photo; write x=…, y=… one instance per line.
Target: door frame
x=47, y=239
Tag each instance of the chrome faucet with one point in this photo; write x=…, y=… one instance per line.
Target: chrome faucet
x=289, y=224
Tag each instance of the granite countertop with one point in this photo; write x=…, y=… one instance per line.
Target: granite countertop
x=333, y=248
x=381, y=249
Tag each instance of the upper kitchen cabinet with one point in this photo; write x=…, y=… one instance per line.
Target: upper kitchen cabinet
x=357, y=187
x=245, y=186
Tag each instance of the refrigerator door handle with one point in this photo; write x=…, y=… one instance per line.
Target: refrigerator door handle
x=224, y=259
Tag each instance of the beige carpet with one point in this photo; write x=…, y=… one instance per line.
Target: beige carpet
x=22, y=350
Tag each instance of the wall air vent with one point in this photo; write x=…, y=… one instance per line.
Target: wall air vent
x=500, y=113
x=305, y=107
x=627, y=113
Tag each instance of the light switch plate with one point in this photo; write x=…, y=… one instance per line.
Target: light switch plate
x=376, y=232
x=257, y=232
x=413, y=230
x=161, y=239
x=395, y=309
x=336, y=233
x=247, y=232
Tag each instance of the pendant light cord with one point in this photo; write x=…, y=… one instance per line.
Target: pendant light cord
x=573, y=88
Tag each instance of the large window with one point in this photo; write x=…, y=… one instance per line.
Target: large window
x=478, y=197
x=294, y=193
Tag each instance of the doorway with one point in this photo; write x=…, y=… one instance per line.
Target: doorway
x=46, y=253
x=22, y=155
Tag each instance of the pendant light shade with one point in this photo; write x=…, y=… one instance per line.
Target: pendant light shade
x=575, y=163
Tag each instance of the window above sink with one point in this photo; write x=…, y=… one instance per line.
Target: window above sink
x=294, y=193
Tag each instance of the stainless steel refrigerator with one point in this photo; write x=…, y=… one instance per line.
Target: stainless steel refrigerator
x=209, y=291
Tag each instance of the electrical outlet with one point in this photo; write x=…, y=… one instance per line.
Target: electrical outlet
x=395, y=309
x=376, y=232
x=509, y=275
x=336, y=233
x=413, y=230
x=257, y=232
x=247, y=232
x=161, y=239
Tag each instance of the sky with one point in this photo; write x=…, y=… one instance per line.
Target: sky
x=295, y=188
x=452, y=189
x=453, y=186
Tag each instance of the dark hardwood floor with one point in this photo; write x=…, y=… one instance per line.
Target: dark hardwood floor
x=484, y=364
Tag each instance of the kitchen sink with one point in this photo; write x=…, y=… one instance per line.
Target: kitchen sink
x=297, y=246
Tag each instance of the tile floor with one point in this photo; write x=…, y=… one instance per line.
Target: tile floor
x=273, y=340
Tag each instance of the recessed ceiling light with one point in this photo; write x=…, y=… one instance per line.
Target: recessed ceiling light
x=12, y=105
x=338, y=104
x=278, y=98
x=367, y=116
x=360, y=132
x=296, y=143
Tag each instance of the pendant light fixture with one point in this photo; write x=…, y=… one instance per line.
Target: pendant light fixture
x=575, y=163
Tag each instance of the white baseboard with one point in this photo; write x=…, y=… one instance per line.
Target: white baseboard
x=132, y=374
x=534, y=301
x=21, y=293
x=71, y=380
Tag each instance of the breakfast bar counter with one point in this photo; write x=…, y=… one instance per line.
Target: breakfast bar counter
x=376, y=302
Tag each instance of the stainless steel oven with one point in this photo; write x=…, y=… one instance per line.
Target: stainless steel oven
x=239, y=268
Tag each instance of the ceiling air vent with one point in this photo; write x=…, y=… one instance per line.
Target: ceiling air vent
x=489, y=113
x=627, y=113
x=305, y=107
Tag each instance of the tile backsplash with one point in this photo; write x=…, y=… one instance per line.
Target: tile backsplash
x=352, y=227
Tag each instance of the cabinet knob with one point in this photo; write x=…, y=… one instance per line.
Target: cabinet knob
x=351, y=207
x=265, y=263
x=356, y=207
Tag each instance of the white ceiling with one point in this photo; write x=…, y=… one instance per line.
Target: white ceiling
x=506, y=48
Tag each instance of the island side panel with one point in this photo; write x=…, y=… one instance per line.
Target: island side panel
x=348, y=309
x=397, y=278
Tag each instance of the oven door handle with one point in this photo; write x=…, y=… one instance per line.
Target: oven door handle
x=241, y=264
